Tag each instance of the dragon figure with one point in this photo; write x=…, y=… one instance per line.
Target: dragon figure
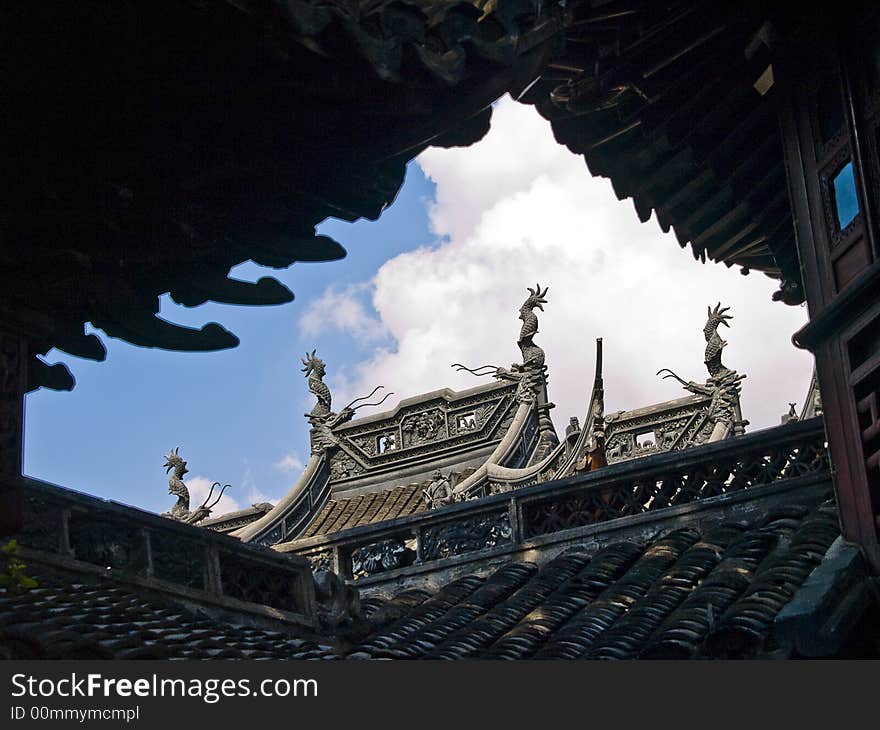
x=315, y=369
x=322, y=419
x=723, y=384
x=180, y=511
x=531, y=373
x=714, y=343
x=532, y=355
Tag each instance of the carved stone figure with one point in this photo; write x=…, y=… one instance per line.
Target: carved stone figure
x=439, y=492
x=594, y=453
x=322, y=419
x=387, y=442
x=530, y=374
x=791, y=415
x=532, y=371
x=338, y=605
x=176, y=486
x=180, y=511
x=315, y=369
x=427, y=426
x=723, y=385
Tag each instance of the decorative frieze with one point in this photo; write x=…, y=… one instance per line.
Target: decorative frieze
x=651, y=491
x=418, y=430
x=380, y=557
x=422, y=427
x=477, y=532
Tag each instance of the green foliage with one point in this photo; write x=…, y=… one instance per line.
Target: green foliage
x=12, y=575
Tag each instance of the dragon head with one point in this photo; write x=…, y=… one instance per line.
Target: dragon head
x=313, y=364
x=535, y=299
x=173, y=460
x=715, y=317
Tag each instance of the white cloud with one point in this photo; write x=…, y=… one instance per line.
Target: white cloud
x=343, y=311
x=255, y=495
x=200, y=486
x=520, y=209
x=289, y=462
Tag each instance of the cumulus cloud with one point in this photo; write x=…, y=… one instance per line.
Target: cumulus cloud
x=200, y=486
x=345, y=311
x=289, y=463
x=253, y=494
x=517, y=209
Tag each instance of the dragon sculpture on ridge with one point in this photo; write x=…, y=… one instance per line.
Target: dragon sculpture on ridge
x=180, y=511
x=531, y=373
x=723, y=384
x=322, y=419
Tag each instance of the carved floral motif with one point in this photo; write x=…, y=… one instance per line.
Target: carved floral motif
x=342, y=466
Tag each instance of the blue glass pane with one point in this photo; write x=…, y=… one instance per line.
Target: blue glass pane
x=845, y=201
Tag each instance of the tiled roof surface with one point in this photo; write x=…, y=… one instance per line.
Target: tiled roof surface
x=684, y=594
x=340, y=514
x=69, y=620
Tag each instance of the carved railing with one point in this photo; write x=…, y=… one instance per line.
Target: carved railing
x=68, y=530
x=793, y=454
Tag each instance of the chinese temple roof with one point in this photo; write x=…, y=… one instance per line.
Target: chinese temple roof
x=674, y=103
x=68, y=619
x=688, y=593
x=366, y=509
x=731, y=589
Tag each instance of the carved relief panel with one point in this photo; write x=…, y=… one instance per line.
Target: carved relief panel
x=426, y=426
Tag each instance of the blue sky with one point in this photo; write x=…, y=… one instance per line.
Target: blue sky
x=235, y=414
x=437, y=279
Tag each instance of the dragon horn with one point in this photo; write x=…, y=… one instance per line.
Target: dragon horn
x=365, y=397
x=377, y=403
x=219, y=496
x=215, y=484
x=670, y=374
